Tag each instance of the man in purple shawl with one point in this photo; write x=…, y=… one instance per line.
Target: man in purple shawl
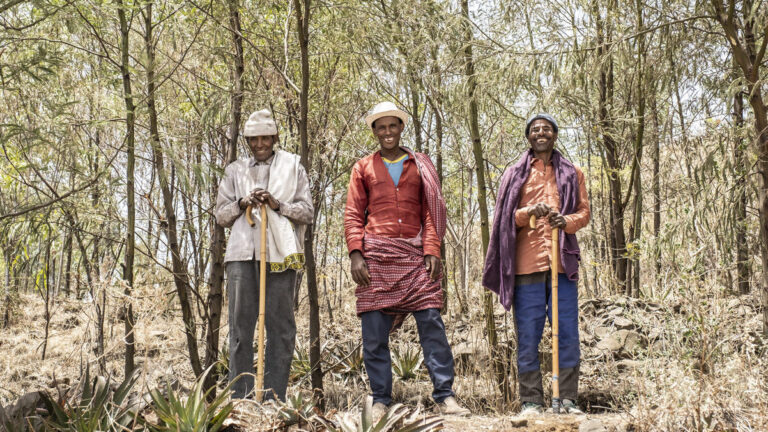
x=544, y=184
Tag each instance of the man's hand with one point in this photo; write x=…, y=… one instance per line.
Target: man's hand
x=434, y=266
x=539, y=210
x=359, y=269
x=262, y=196
x=556, y=220
x=245, y=201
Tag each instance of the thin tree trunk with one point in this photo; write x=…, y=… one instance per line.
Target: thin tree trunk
x=58, y=264
x=52, y=280
x=130, y=236
x=415, y=99
x=656, y=189
x=98, y=294
x=637, y=223
x=26, y=279
x=499, y=366
x=180, y=275
x=68, y=265
x=466, y=240
x=740, y=208
x=302, y=10
x=202, y=223
x=7, y=300
x=189, y=227
x=325, y=257
x=45, y=292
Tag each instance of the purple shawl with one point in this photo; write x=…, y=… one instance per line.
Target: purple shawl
x=499, y=272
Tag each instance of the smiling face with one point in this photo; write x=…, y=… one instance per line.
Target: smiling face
x=388, y=130
x=542, y=136
x=261, y=146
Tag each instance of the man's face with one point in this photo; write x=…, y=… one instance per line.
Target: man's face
x=388, y=131
x=261, y=146
x=542, y=136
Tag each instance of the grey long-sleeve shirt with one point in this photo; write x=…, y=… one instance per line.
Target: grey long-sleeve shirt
x=240, y=178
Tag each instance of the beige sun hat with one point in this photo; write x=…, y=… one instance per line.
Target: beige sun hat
x=385, y=109
x=260, y=123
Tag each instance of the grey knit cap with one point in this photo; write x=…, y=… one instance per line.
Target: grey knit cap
x=540, y=116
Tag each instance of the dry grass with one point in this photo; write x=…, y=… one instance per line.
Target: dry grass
x=699, y=364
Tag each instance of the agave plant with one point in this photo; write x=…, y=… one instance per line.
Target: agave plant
x=396, y=419
x=296, y=410
x=347, y=362
x=352, y=361
x=99, y=408
x=193, y=414
x=300, y=366
x=406, y=363
x=222, y=366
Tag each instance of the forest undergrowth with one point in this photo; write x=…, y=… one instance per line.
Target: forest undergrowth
x=691, y=361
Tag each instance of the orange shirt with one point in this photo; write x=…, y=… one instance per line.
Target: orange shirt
x=535, y=245
x=376, y=206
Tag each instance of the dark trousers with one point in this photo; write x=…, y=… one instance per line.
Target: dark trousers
x=434, y=343
x=533, y=304
x=279, y=327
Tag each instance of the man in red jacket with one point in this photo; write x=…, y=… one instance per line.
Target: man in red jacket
x=394, y=223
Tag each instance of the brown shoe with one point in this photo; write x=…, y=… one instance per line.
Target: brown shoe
x=451, y=407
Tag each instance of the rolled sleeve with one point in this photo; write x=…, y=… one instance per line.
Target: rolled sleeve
x=580, y=218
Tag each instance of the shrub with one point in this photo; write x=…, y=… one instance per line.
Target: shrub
x=193, y=414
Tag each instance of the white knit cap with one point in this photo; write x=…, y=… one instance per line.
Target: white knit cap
x=385, y=109
x=260, y=123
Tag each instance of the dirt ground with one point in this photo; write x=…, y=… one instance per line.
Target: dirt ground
x=543, y=423
x=251, y=418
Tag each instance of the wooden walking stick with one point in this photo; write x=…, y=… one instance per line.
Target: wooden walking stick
x=248, y=217
x=555, y=323
x=262, y=297
x=555, y=259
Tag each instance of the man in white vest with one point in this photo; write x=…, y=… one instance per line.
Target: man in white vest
x=277, y=179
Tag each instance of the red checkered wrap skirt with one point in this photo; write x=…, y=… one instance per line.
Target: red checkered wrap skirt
x=400, y=282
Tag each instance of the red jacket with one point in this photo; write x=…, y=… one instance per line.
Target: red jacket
x=395, y=212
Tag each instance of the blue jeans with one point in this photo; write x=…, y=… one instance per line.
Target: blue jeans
x=533, y=305
x=378, y=362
